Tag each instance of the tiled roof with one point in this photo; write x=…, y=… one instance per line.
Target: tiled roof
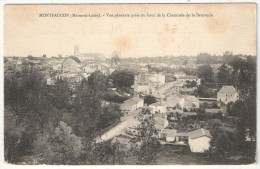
x=199, y=133
x=227, y=90
x=188, y=77
x=159, y=120
x=158, y=104
x=170, y=132
x=182, y=134
x=213, y=110
x=190, y=100
x=136, y=99
x=120, y=140
x=132, y=101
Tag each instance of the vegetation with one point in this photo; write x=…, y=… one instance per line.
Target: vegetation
x=123, y=78
x=149, y=99
x=53, y=126
x=205, y=72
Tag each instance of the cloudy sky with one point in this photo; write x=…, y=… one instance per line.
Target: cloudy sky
x=232, y=28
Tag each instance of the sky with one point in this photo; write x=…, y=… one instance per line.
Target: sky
x=232, y=28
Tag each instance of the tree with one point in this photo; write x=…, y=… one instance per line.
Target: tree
x=109, y=115
x=225, y=74
x=61, y=147
x=147, y=152
x=204, y=91
x=60, y=94
x=123, y=78
x=206, y=73
x=190, y=84
x=222, y=142
x=115, y=59
x=106, y=154
x=206, y=58
x=149, y=99
x=87, y=105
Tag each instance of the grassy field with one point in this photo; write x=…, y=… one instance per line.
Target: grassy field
x=168, y=156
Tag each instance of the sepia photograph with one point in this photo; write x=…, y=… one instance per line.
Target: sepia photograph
x=130, y=84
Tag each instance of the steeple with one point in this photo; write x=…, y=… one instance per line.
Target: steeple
x=76, y=50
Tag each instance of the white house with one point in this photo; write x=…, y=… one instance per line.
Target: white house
x=157, y=78
x=227, y=94
x=191, y=102
x=159, y=107
x=168, y=134
x=142, y=83
x=70, y=65
x=132, y=104
x=199, y=140
x=174, y=100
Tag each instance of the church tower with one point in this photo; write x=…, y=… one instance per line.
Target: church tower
x=76, y=50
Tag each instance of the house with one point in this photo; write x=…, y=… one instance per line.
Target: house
x=158, y=107
x=57, y=66
x=168, y=134
x=227, y=94
x=191, y=102
x=142, y=84
x=86, y=68
x=123, y=144
x=213, y=111
x=183, y=136
x=188, y=91
x=132, y=104
x=157, y=78
x=133, y=125
x=179, y=74
x=160, y=123
x=199, y=140
x=176, y=86
x=190, y=79
x=175, y=100
x=70, y=65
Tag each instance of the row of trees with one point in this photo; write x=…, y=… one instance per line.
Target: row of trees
x=241, y=138
x=47, y=123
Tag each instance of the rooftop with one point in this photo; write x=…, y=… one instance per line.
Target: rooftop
x=120, y=140
x=188, y=77
x=158, y=104
x=199, y=133
x=227, y=90
x=170, y=132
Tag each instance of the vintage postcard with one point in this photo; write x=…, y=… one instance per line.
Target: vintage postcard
x=130, y=84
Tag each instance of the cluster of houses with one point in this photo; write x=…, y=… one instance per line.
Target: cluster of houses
x=173, y=98
x=198, y=140
x=171, y=105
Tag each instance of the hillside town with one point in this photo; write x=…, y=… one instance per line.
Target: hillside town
x=201, y=106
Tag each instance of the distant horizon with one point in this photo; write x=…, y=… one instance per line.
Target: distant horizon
x=107, y=57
